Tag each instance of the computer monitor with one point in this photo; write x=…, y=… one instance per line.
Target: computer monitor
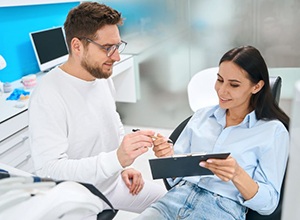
x=50, y=47
x=291, y=198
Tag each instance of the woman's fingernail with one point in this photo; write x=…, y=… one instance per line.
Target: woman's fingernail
x=170, y=141
x=202, y=164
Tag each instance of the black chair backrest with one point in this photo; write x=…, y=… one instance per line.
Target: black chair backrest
x=275, y=84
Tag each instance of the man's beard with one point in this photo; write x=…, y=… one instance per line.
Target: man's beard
x=96, y=72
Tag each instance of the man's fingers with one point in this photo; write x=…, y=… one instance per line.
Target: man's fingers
x=138, y=189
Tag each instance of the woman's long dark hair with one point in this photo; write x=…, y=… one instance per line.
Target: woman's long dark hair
x=263, y=102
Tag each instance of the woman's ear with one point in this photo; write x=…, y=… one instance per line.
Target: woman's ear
x=258, y=86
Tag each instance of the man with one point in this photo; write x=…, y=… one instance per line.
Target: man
x=75, y=132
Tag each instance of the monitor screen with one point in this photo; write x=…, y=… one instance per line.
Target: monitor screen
x=50, y=47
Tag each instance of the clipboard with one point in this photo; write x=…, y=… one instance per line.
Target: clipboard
x=182, y=165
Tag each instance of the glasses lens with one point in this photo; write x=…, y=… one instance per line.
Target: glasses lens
x=113, y=48
x=121, y=47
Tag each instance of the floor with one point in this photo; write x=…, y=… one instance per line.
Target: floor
x=141, y=164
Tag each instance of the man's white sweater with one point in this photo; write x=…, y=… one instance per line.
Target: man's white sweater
x=75, y=129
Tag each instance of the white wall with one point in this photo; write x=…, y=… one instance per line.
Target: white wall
x=291, y=200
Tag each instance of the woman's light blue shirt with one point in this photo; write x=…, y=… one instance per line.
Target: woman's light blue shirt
x=260, y=147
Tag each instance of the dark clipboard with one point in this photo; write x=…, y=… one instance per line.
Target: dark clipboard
x=183, y=165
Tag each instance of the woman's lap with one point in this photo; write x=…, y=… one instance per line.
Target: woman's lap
x=187, y=201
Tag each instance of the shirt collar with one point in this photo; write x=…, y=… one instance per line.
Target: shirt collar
x=220, y=114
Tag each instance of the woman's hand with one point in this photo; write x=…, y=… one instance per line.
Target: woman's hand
x=226, y=169
x=162, y=146
x=133, y=180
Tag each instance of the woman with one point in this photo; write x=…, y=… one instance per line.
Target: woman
x=248, y=124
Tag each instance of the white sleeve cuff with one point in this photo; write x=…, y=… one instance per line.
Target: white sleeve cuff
x=109, y=163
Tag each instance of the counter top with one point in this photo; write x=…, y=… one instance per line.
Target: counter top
x=10, y=108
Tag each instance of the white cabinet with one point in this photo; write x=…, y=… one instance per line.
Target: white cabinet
x=124, y=78
x=9, y=126
x=14, y=142
x=14, y=151
x=14, y=135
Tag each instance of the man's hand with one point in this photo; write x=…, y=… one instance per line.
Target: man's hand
x=133, y=145
x=133, y=180
x=162, y=146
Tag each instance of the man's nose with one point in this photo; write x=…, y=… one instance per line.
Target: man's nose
x=116, y=56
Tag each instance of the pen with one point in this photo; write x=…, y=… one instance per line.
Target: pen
x=153, y=137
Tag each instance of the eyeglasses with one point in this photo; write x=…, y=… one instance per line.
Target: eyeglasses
x=109, y=49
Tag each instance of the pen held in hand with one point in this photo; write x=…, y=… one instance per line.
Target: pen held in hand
x=153, y=137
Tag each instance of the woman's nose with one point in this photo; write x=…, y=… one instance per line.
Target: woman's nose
x=222, y=89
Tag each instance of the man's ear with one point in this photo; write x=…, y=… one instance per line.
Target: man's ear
x=258, y=86
x=76, y=45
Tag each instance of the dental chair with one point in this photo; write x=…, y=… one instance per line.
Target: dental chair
x=107, y=214
x=201, y=93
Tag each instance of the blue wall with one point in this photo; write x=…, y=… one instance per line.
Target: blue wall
x=15, y=25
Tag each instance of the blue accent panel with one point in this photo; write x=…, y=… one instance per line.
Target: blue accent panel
x=15, y=24
x=135, y=12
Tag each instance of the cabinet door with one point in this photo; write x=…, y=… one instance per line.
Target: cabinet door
x=124, y=80
x=14, y=151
